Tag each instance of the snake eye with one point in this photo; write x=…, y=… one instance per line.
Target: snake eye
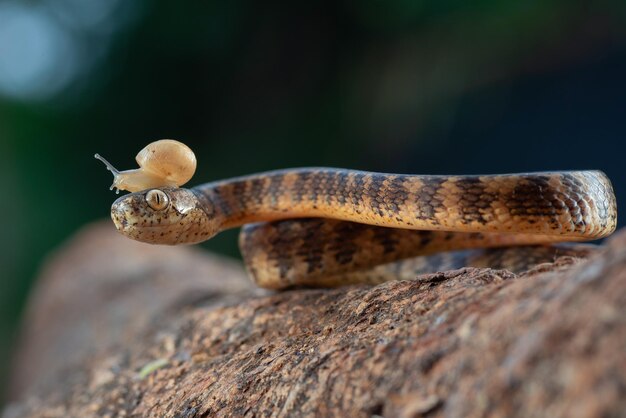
x=157, y=199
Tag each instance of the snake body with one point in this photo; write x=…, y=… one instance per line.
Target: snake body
x=355, y=220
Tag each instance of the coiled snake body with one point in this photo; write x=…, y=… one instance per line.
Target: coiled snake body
x=356, y=220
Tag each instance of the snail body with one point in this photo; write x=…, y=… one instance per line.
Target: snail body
x=163, y=163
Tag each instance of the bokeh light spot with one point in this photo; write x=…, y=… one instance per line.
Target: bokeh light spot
x=36, y=55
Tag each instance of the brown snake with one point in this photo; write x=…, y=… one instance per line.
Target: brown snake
x=371, y=218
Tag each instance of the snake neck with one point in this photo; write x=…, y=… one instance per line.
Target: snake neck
x=288, y=194
x=261, y=197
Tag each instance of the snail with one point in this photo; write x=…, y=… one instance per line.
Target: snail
x=163, y=163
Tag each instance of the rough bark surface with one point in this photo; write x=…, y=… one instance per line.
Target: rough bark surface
x=117, y=328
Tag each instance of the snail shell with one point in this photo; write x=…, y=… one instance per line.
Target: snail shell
x=163, y=163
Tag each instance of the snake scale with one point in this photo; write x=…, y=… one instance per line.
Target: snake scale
x=349, y=222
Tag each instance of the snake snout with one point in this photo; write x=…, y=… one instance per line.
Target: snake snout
x=118, y=215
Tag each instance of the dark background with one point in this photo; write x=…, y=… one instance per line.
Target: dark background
x=430, y=87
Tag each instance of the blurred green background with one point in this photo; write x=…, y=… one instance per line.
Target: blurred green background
x=430, y=86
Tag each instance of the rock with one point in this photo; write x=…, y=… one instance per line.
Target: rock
x=103, y=290
x=117, y=328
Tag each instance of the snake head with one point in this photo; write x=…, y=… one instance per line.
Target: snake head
x=165, y=216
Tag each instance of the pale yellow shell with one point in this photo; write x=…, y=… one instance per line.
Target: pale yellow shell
x=163, y=163
x=173, y=161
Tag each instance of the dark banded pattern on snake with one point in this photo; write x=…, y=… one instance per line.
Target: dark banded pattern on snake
x=448, y=212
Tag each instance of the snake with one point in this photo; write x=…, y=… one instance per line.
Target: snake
x=333, y=227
